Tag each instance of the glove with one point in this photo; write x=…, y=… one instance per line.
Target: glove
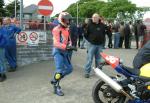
x=71, y=48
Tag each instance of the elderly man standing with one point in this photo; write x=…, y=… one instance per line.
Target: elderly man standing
x=95, y=36
x=9, y=30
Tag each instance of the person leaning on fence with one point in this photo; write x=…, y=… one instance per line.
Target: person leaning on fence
x=3, y=44
x=9, y=30
x=62, y=44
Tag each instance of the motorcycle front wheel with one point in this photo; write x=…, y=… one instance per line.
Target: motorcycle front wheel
x=103, y=93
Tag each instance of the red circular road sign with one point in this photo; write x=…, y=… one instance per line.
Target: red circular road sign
x=22, y=37
x=33, y=36
x=45, y=7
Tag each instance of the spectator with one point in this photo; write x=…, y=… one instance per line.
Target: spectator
x=73, y=36
x=116, y=35
x=55, y=21
x=131, y=33
x=9, y=31
x=136, y=34
x=142, y=33
x=121, y=31
x=80, y=34
x=84, y=27
x=96, y=37
x=109, y=32
x=127, y=33
x=3, y=43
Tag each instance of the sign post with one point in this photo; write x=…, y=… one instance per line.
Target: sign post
x=45, y=8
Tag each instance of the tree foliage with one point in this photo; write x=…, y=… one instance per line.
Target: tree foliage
x=121, y=9
x=11, y=8
x=2, y=10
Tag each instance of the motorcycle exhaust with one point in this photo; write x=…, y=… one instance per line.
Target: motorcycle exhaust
x=117, y=87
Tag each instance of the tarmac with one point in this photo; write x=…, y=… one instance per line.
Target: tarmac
x=31, y=84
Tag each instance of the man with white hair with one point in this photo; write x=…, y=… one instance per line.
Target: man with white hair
x=9, y=30
x=95, y=36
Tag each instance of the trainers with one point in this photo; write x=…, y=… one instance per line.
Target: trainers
x=3, y=77
x=12, y=70
x=82, y=48
x=58, y=91
x=87, y=76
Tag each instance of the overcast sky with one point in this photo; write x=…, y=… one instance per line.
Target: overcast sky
x=60, y=5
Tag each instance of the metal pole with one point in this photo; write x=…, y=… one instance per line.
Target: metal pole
x=44, y=23
x=15, y=7
x=21, y=14
x=77, y=13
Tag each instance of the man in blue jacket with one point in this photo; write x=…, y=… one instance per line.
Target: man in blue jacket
x=2, y=58
x=9, y=30
x=3, y=43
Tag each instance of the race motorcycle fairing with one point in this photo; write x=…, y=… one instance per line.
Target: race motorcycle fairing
x=135, y=88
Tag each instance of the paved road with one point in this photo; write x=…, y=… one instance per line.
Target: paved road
x=30, y=84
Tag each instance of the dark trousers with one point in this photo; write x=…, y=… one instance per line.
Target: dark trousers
x=127, y=41
x=80, y=40
x=121, y=42
x=137, y=41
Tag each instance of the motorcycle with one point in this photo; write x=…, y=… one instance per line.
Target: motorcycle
x=128, y=86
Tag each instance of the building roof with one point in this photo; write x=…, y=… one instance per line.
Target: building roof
x=30, y=9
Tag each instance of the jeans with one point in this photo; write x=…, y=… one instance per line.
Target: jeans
x=93, y=50
x=62, y=62
x=83, y=42
x=2, y=61
x=116, y=40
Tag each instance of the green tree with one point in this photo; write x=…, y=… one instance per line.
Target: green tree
x=2, y=10
x=121, y=9
x=11, y=8
x=86, y=8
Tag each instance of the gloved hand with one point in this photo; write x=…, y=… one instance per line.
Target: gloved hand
x=71, y=48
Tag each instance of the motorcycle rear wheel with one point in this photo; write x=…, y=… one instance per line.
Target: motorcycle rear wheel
x=103, y=99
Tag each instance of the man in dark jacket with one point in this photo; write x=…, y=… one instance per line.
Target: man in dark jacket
x=96, y=37
x=127, y=34
x=142, y=57
x=136, y=34
x=73, y=35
